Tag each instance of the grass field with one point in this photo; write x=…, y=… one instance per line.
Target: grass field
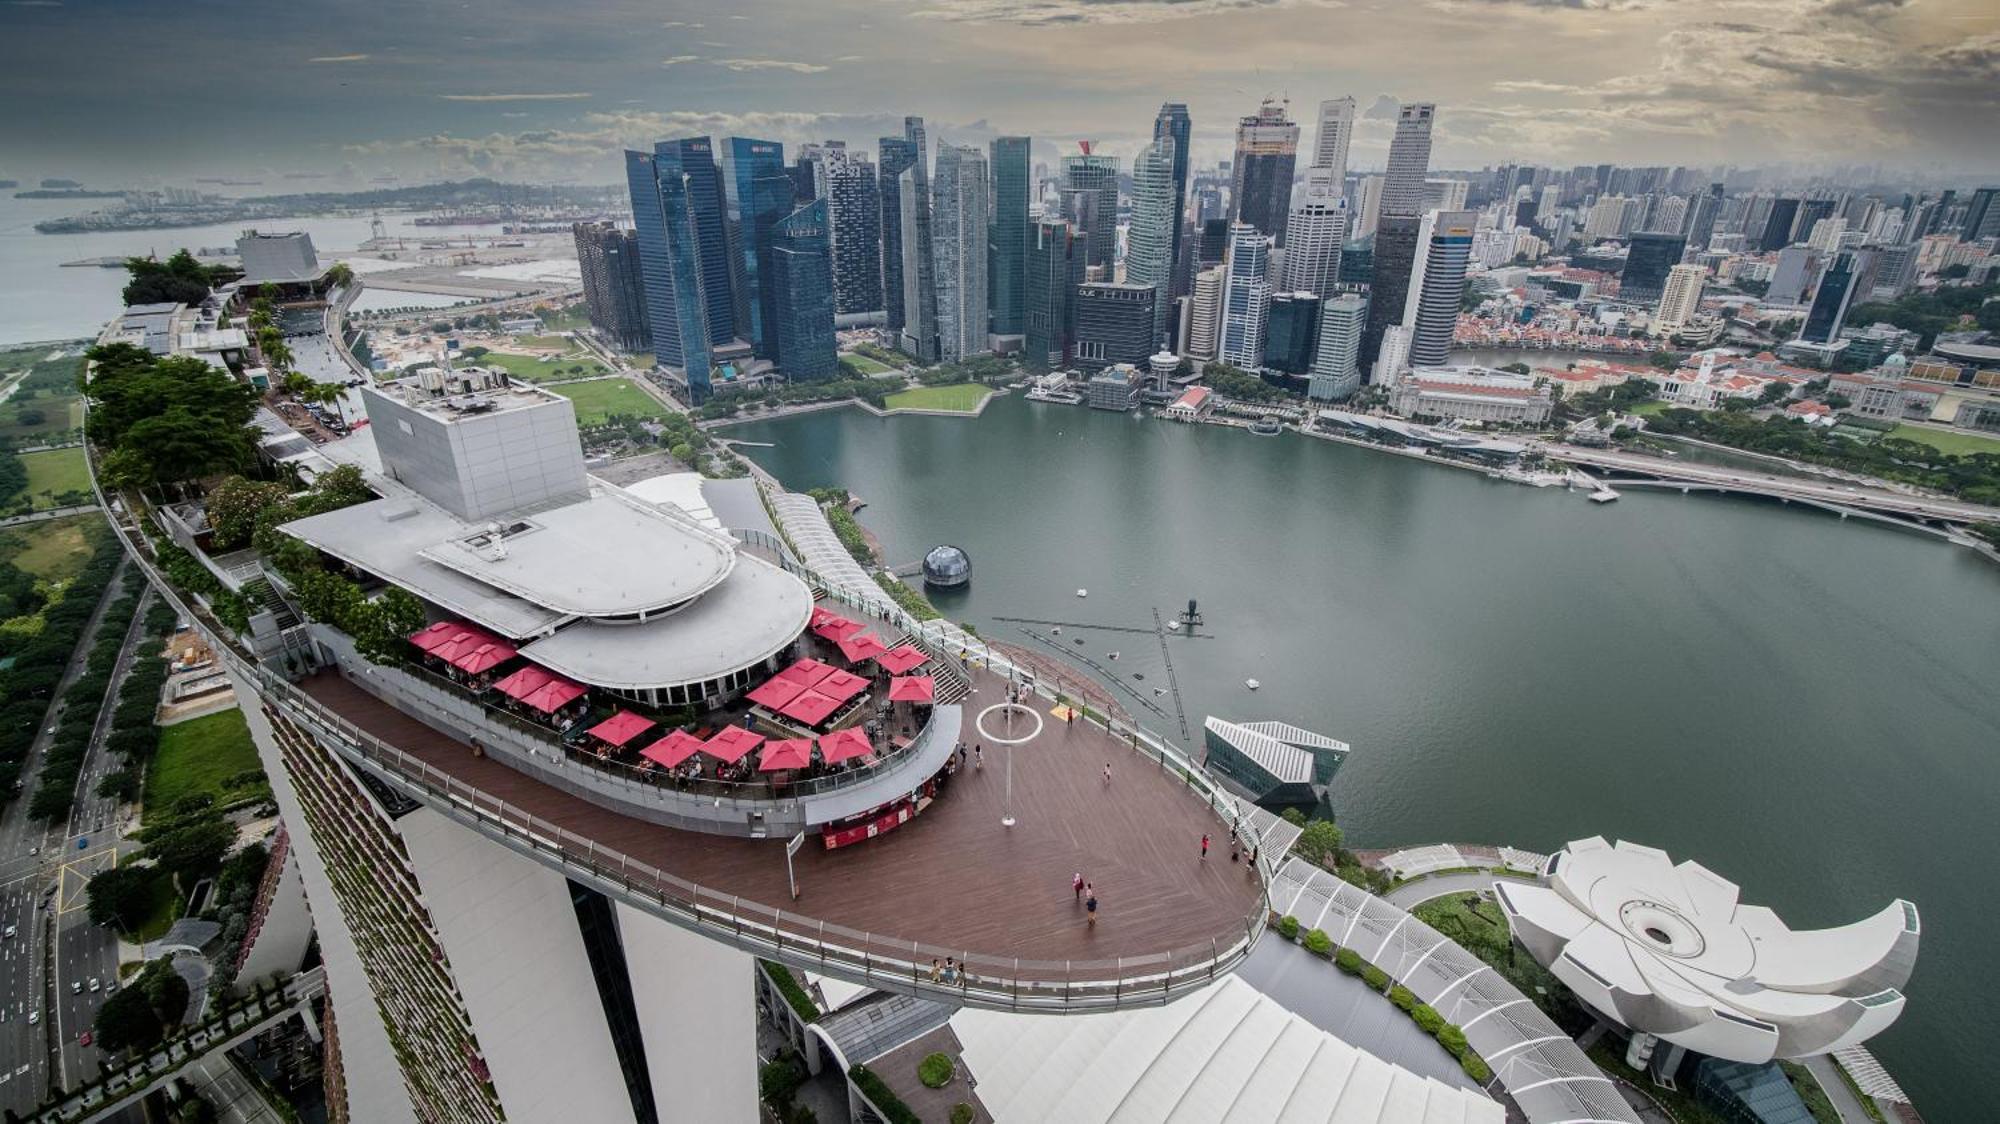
x=58, y=413
x=1649, y=409
x=530, y=369
x=164, y=910
x=558, y=343
x=1958, y=444
x=211, y=754
x=963, y=398
x=862, y=366
x=55, y=473
x=599, y=399
x=53, y=549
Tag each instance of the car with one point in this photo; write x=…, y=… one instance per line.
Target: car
x=111, y=988
x=83, y=843
x=76, y=987
x=95, y=986
x=83, y=1039
x=33, y=851
x=34, y=1017
x=13, y=931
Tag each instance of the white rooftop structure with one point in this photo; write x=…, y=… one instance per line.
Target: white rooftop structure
x=1667, y=949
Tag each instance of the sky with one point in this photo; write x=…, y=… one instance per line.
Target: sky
x=339, y=92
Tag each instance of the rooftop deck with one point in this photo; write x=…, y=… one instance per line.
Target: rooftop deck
x=952, y=881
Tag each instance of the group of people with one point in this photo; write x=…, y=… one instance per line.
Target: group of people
x=958, y=759
x=1086, y=894
x=947, y=972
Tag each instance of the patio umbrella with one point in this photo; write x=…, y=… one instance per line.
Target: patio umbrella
x=672, y=749
x=731, y=744
x=776, y=692
x=844, y=745
x=861, y=647
x=901, y=659
x=837, y=628
x=621, y=727
x=913, y=689
x=792, y=753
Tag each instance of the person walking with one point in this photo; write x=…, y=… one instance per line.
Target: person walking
x=1204, y=846
x=978, y=759
x=1107, y=772
x=1090, y=911
x=1076, y=883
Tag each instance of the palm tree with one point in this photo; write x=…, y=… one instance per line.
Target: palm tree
x=324, y=394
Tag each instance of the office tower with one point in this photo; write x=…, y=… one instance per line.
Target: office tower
x=760, y=196
x=1702, y=217
x=1289, y=329
x=1357, y=261
x=1669, y=215
x=801, y=279
x=1445, y=195
x=1681, y=298
x=1830, y=302
x=1204, y=330
x=1826, y=234
x=694, y=159
x=1336, y=132
x=1174, y=124
x=895, y=156
x=1260, y=177
x=1090, y=203
x=1336, y=369
x=1367, y=209
x=854, y=230
x=1212, y=243
x=1115, y=323
x=614, y=287
x=1778, y=225
x=1393, y=358
x=1647, y=259
x=1055, y=269
x=1318, y=230
x=913, y=132
x=1811, y=211
x=1437, y=285
x=1792, y=276
x=670, y=259
x=1548, y=205
x=1394, y=254
x=1007, y=237
x=959, y=207
x=1982, y=215
x=1246, y=297
x=1149, y=238
x=919, y=337
x=1409, y=159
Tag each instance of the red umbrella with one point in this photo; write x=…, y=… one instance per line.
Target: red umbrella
x=837, y=628
x=554, y=695
x=524, y=682
x=731, y=744
x=811, y=708
x=794, y=753
x=672, y=749
x=621, y=727
x=484, y=658
x=842, y=685
x=861, y=647
x=913, y=688
x=431, y=635
x=901, y=659
x=843, y=745
x=807, y=672
x=776, y=692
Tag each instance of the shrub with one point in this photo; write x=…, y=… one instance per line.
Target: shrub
x=881, y=1096
x=1288, y=927
x=1319, y=944
x=796, y=997
x=1428, y=1020
x=777, y=1080
x=936, y=1070
x=1475, y=1067
x=1375, y=977
x=1403, y=998
x=1349, y=961
x=1452, y=1039
x=961, y=1113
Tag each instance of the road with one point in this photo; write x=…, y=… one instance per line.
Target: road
x=52, y=513
x=28, y=853
x=236, y=1101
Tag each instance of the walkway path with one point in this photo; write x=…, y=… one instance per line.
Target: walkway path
x=1844, y=1101
x=52, y=513
x=1419, y=890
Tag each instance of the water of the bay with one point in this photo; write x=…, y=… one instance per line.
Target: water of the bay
x=1805, y=706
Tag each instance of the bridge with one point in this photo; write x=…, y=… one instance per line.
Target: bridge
x=1926, y=513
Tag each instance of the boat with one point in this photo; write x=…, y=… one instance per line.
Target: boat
x=1057, y=630
x=1110, y=655
x=1173, y=626
x=1083, y=593
x=1252, y=684
x=1138, y=675
x=1079, y=640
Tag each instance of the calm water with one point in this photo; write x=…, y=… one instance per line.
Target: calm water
x=1806, y=706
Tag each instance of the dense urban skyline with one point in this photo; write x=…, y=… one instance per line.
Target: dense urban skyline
x=535, y=92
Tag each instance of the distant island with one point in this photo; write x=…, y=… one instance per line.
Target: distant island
x=67, y=193
x=478, y=200
x=9, y=185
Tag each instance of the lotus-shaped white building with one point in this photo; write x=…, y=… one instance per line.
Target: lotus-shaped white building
x=1668, y=950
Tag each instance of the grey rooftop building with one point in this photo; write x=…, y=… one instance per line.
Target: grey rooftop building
x=1275, y=764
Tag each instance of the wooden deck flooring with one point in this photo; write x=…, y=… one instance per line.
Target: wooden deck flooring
x=953, y=877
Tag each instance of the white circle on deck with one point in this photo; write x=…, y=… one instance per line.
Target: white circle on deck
x=1010, y=709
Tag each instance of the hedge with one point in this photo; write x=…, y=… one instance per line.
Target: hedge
x=1475, y=1067
x=1374, y=977
x=962, y=1113
x=1288, y=927
x=795, y=995
x=1348, y=960
x=1403, y=998
x=1319, y=944
x=1427, y=1018
x=881, y=1096
x=936, y=1070
x=1452, y=1039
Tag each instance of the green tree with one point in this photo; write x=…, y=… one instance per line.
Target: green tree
x=121, y=897
x=126, y=1022
x=121, y=784
x=1319, y=841
x=179, y=280
x=339, y=274
x=190, y=847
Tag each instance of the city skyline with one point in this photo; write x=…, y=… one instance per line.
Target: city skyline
x=1915, y=87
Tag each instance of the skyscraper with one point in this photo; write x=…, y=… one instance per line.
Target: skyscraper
x=1055, y=269
x=614, y=288
x=1174, y=124
x=1007, y=237
x=1648, y=257
x=1246, y=297
x=1367, y=205
x=1114, y=323
x=1831, y=300
x=1267, y=147
x=1090, y=202
x=1701, y=217
x=1409, y=160
x=919, y=337
x=854, y=230
x=1778, y=225
x=1204, y=330
x=1336, y=371
x=760, y=196
x=802, y=285
x=1336, y=131
x=959, y=208
x=1392, y=256
x=670, y=261
x=694, y=159
x=896, y=156
x=1149, y=238
x=1681, y=298
x=1437, y=283
x=1318, y=228
x=1288, y=332
x=1982, y=215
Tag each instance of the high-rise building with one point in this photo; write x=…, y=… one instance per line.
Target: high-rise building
x=1831, y=300
x=1149, y=238
x=1445, y=194
x=1289, y=329
x=1702, y=215
x=1982, y=215
x=802, y=283
x=1318, y=229
x=1409, y=160
x=760, y=196
x=1393, y=359
x=854, y=230
x=895, y=156
x=1437, y=285
x=1055, y=269
x=694, y=159
x=1336, y=369
x=1204, y=332
x=919, y=337
x=1367, y=208
x=1260, y=183
x=614, y=287
x=1778, y=224
x=670, y=259
x=959, y=209
x=1336, y=132
x=1810, y=212
x=1090, y=203
x=1681, y=298
x=1114, y=323
x=1393, y=255
x=1792, y=276
x=1173, y=124
x=1246, y=297
x=1007, y=238
x=1211, y=243
x=1648, y=257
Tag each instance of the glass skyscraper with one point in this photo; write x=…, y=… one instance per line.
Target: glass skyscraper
x=694, y=159
x=1149, y=241
x=1007, y=237
x=1090, y=198
x=760, y=196
x=670, y=262
x=1648, y=257
x=1437, y=283
x=895, y=156
x=1173, y=123
x=1055, y=269
x=854, y=227
x=958, y=228
x=1267, y=151
x=801, y=281
x=1246, y=297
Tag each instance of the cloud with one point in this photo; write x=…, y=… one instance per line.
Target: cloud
x=339, y=58
x=850, y=58
x=1559, y=5
x=771, y=64
x=679, y=59
x=1535, y=86
x=1863, y=9
x=573, y=96
x=1042, y=13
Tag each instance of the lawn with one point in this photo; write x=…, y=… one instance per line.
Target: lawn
x=164, y=910
x=24, y=417
x=1649, y=409
x=52, y=549
x=861, y=366
x=1957, y=444
x=531, y=369
x=962, y=398
x=56, y=473
x=554, y=343
x=599, y=399
x=212, y=754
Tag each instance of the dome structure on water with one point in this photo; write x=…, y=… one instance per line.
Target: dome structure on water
x=946, y=566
